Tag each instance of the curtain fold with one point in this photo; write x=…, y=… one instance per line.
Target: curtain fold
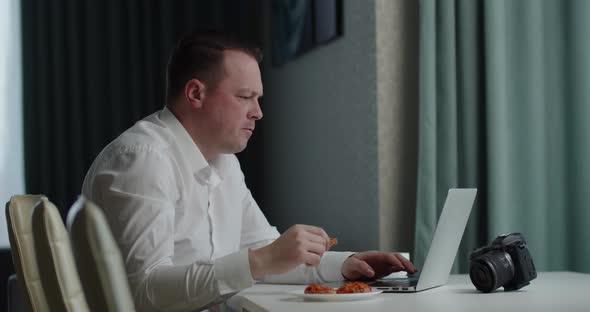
x=503, y=107
x=93, y=68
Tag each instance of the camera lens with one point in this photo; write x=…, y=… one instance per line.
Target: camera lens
x=491, y=270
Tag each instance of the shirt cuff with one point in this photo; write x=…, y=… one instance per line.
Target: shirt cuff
x=330, y=268
x=232, y=272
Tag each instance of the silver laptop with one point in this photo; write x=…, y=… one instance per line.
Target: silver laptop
x=443, y=248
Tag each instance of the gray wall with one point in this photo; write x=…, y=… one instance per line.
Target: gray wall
x=340, y=130
x=320, y=135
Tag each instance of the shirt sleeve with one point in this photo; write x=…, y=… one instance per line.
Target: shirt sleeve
x=137, y=188
x=329, y=270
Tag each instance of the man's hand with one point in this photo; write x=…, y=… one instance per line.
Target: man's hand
x=299, y=244
x=374, y=265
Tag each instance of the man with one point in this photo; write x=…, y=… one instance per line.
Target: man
x=190, y=233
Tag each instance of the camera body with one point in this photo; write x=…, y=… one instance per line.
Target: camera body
x=506, y=262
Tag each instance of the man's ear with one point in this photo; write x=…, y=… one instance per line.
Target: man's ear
x=194, y=92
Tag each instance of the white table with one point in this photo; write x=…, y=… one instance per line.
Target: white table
x=550, y=291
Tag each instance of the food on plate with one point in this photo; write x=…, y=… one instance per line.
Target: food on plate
x=354, y=287
x=319, y=289
x=332, y=242
x=348, y=288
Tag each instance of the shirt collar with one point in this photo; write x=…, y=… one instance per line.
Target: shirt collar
x=202, y=170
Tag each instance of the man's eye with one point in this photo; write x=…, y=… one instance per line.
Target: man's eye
x=245, y=97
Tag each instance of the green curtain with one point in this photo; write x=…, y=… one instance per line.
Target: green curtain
x=505, y=107
x=93, y=68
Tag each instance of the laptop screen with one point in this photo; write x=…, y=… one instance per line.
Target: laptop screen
x=443, y=248
x=447, y=237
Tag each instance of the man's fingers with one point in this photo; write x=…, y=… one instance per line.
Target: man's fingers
x=406, y=263
x=315, y=230
x=312, y=259
x=400, y=262
x=395, y=262
x=316, y=239
x=321, y=236
x=316, y=248
x=383, y=263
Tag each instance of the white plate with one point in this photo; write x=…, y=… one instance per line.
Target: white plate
x=335, y=297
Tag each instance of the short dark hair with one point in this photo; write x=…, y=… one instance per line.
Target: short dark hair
x=200, y=55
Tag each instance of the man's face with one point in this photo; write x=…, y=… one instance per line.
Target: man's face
x=232, y=106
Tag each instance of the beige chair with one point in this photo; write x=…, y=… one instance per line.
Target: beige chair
x=19, y=218
x=57, y=268
x=99, y=259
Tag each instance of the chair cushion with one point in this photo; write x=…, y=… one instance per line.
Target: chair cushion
x=19, y=215
x=59, y=276
x=99, y=260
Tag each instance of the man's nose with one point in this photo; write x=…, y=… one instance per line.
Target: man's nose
x=256, y=112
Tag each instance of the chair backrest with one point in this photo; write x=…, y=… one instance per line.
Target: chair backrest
x=99, y=259
x=57, y=267
x=19, y=218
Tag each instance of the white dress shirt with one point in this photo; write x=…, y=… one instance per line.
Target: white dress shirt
x=184, y=225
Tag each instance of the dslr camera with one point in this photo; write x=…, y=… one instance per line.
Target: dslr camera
x=505, y=262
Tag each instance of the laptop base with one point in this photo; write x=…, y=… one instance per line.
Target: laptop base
x=395, y=285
